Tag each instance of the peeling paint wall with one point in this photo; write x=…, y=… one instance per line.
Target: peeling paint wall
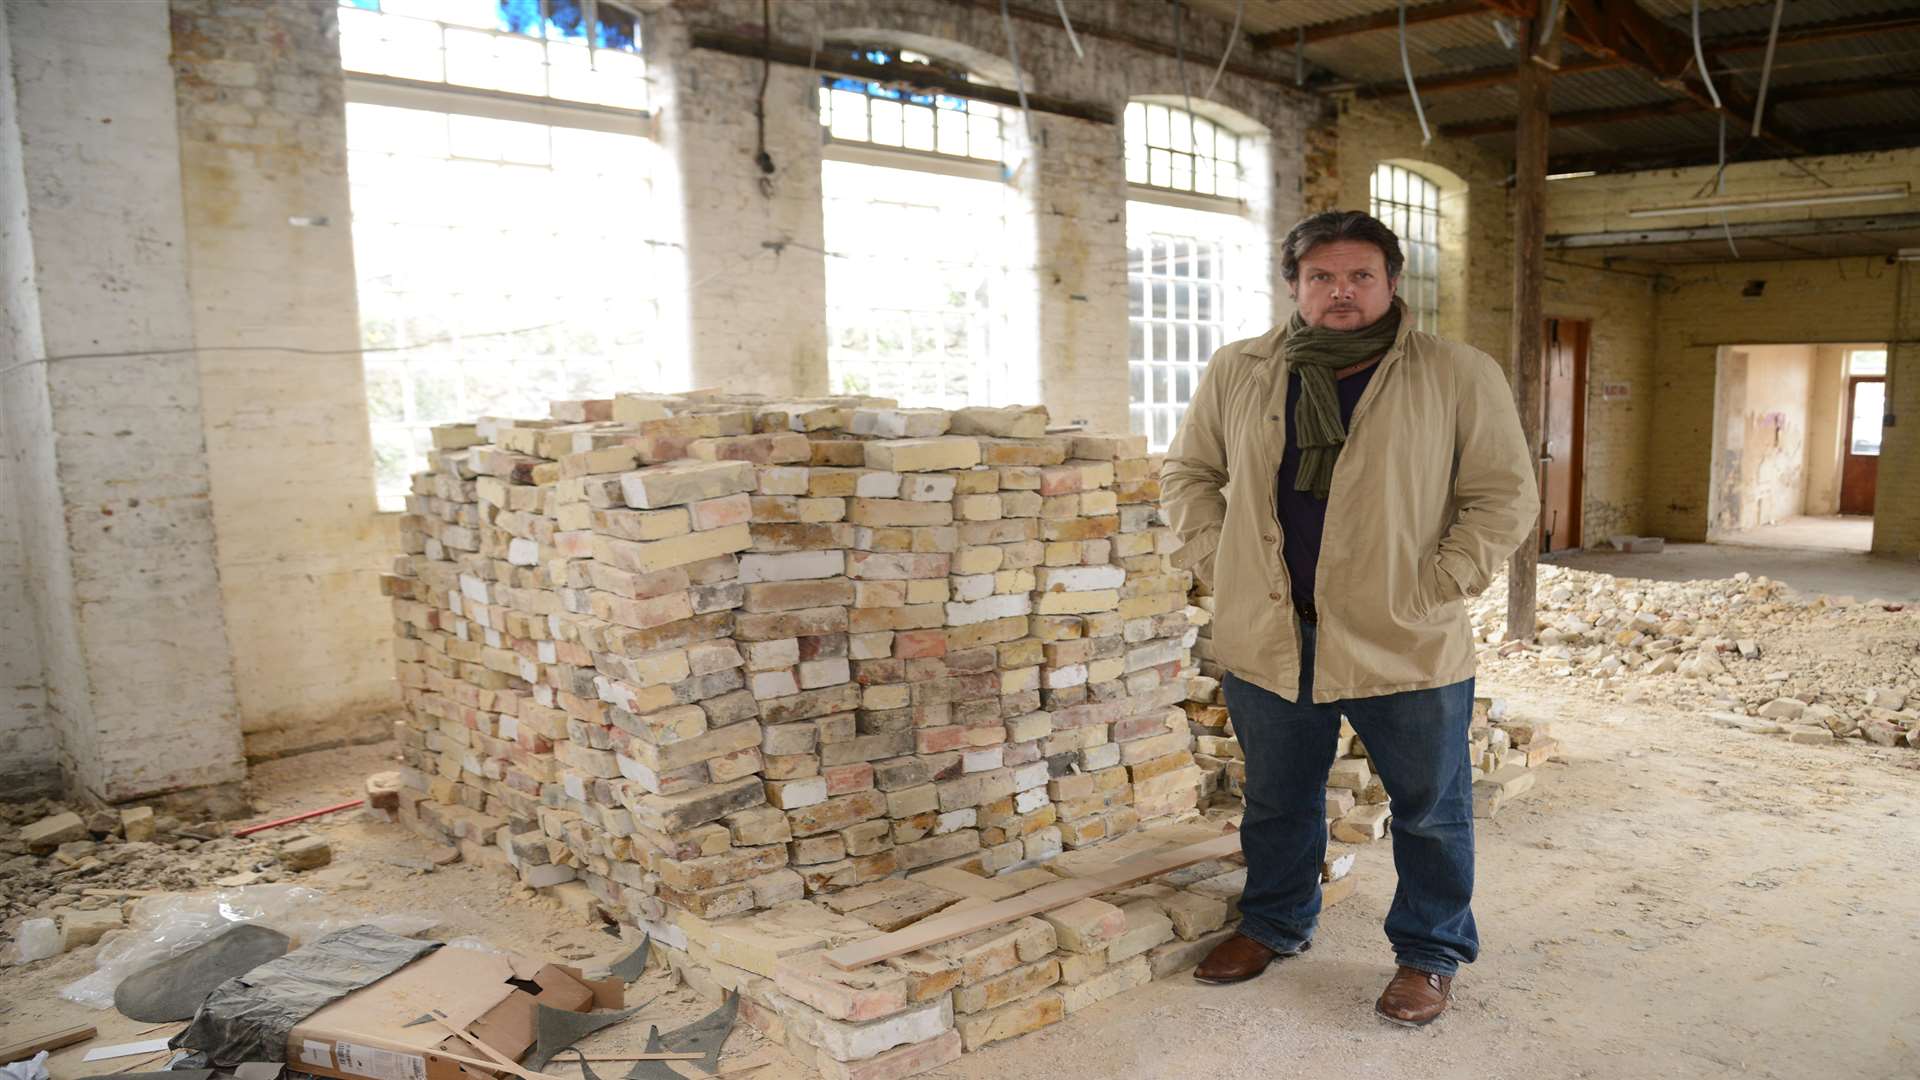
x=290, y=463
x=1759, y=470
x=102, y=400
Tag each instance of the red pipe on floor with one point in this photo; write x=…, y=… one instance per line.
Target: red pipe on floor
x=251, y=829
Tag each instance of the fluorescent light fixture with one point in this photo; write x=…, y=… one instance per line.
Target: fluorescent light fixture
x=1721, y=204
x=1572, y=175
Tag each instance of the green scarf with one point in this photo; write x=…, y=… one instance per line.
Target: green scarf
x=1316, y=353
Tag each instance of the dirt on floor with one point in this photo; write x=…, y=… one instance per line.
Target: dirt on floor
x=1675, y=899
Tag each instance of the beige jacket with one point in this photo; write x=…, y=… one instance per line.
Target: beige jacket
x=1433, y=489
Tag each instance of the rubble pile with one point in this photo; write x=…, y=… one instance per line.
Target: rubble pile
x=707, y=654
x=79, y=869
x=1746, y=651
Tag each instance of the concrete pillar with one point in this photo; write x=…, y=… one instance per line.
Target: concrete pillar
x=1896, y=513
x=102, y=409
x=756, y=277
x=299, y=544
x=1079, y=203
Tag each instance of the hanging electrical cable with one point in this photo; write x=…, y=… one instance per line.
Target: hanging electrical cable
x=1073, y=39
x=1766, y=67
x=1719, y=187
x=1699, y=56
x=1546, y=24
x=1019, y=74
x=1406, y=66
x=1233, y=38
x=760, y=156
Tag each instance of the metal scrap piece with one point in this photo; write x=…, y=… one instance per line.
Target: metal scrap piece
x=634, y=964
x=706, y=1035
x=557, y=1029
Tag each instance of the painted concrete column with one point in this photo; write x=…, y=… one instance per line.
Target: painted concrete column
x=300, y=544
x=102, y=405
x=1079, y=201
x=756, y=275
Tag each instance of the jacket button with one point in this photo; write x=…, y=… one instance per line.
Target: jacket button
x=1273, y=596
x=1268, y=539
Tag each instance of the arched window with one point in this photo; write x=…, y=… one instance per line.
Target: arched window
x=1409, y=204
x=915, y=215
x=477, y=130
x=1197, y=271
x=1174, y=149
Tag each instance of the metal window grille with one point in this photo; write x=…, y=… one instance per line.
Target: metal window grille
x=892, y=115
x=1193, y=284
x=1173, y=149
x=1409, y=204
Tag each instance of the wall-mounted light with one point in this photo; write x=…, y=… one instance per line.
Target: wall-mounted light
x=1721, y=204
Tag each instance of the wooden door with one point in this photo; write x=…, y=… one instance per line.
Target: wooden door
x=1562, y=432
x=1859, y=470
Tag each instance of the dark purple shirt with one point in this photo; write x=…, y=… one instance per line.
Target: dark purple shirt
x=1303, y=515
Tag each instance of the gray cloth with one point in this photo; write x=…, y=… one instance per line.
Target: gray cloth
x=248, y=1017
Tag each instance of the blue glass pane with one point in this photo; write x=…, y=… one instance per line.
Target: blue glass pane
x=921, y=99
x=565, y=19
x=953, y=103
x=888, y=92
x=364, y=5
x=874, y=56
x=858, y=86
x=520, y=16
x=617, y=29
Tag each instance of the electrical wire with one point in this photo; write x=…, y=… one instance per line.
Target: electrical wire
x=1699, y=55
x=1073, y=39
x=1546, y=24
x=1019, y=74
x=1233, y=38
x=1766, y=67
x=760, y=156
x=1720, y=183
x=1406, y=66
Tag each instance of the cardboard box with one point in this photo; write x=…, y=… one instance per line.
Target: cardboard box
x=492, y=996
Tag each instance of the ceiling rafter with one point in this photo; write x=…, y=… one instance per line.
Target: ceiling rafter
x=1810, y=91
x=1361, y=24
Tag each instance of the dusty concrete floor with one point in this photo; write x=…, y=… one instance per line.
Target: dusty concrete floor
x=1837, y=532
x=1807, y=570
x=1677, y=900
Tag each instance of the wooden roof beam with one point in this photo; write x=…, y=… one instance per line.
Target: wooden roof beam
x=1681, y=106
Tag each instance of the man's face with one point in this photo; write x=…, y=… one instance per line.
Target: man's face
x=1343, y=285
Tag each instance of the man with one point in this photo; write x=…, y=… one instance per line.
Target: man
x=1343, y=483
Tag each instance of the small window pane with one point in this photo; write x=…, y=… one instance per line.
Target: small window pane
x=1867, y=362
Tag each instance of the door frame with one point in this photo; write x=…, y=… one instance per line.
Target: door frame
x=1577, y=344
x=1846, y=440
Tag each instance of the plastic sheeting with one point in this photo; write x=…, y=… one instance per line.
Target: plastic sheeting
x=248, y=1018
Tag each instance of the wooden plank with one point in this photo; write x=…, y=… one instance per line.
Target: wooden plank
x=1362, y=24
x=1045, y=898
x=53, y=1040
x=147, y=1046
x=1529, y=254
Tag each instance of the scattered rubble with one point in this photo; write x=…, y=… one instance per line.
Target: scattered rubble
x=1746, y=652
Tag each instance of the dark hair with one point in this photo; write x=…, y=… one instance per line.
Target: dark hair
x=1333, y=226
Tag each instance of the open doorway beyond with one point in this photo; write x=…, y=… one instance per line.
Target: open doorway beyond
x=1793, y=461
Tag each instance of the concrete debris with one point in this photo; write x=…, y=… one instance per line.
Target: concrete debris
x=1835, y=664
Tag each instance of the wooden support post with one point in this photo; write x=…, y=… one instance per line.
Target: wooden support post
x=1529, y=255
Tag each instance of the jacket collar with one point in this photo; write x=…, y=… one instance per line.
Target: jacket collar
x=1270, y=343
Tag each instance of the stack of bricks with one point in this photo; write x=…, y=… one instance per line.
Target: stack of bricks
x=921, y=1010
x=700, y=655
x=1505, y=753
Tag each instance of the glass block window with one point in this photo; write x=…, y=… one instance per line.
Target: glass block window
x=888, y=114
x=1174, y=149
x=501, y=265
x=569, y=50
x=918, y=286
x=1867, y=362
x=1409, y=204
x=1196, y=279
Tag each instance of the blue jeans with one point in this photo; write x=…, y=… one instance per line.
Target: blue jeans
x=1417, y=741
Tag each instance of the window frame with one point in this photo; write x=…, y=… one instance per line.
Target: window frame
x=851, y=149
x=589, y=10
x=1423, y=268
x=1147, y=191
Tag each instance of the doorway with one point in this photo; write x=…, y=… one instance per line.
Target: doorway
x=1860, y=466
x=1563, y=435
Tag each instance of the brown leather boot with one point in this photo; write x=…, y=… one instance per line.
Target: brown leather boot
x=1238, y=959
x=1414, y=998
